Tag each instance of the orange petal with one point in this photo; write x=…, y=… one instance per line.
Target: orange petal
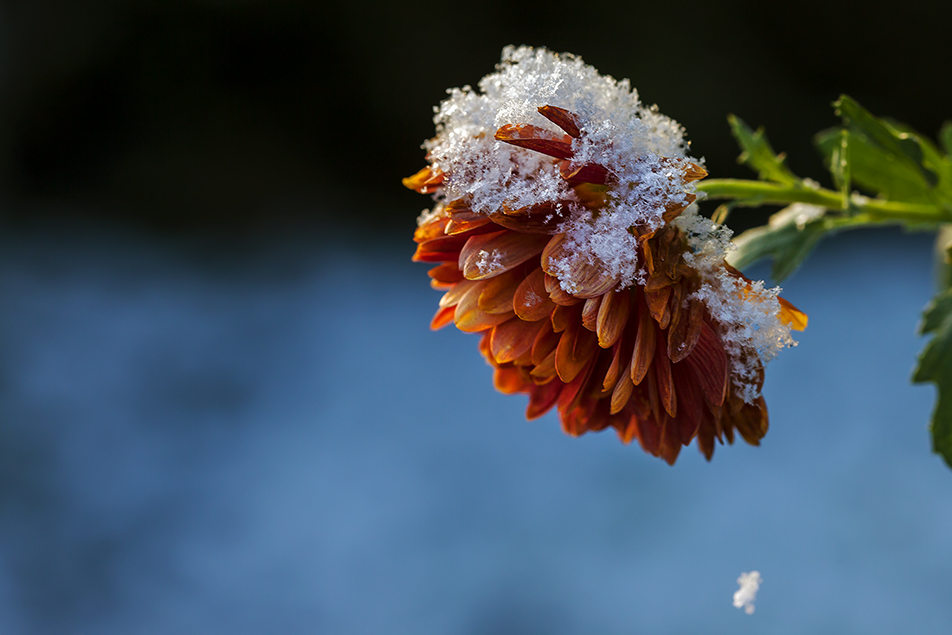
x=433, y=228
x=443, y=317
x=425, y=181
x=542, y=398
x=708, y=362
x=557, y=294
x=643, y=352
x=684, y=331
x=530, y=300
x=590, y=313
x=576, y=348
x=658, y=305
x=589, y=280
x=621, y=359
x=455, y=294
x=470, y=318
x=465, y=221
x=498, y=293
x=612, y=317
x=508, y=380
x=443, y=249
x=513, y=338
x=446, y=273
x=792, y=316
x=488, y=255
x=564, y=317
x=564, y=119
x=622, y=391
x=545, y=343
x=535, y=138
x=589, y=173
x=665, y=382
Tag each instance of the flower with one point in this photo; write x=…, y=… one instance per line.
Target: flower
x=564, y=232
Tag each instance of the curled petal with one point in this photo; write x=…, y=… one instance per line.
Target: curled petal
x=530, y=300
x=534, y=138
x=557, y=294
x=792, y=316
x=592, y=173
x=612, y=317
x=685, y=330
x=497, y=294
x=446, y=273
x=545, y=342
x=588, y=279
x=461, y=222
x=708, y=362
x=643, y=352
x=576, y=348
x=446, y=248
x=564, y=119
x=443, y=317
x=508, y=380
x=470, y=318
x=425, y=181
x=513, y=338
x=488, y=255
x=590, y=312
x=542, y=398
x=665, y=382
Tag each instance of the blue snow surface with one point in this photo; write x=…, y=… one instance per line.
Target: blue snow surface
x=263, y=436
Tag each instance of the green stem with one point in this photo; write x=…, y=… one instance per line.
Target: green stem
x=753, y=193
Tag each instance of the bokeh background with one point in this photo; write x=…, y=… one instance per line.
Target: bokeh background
x=221, y=410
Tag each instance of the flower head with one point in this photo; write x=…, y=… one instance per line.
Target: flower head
x=565, y=232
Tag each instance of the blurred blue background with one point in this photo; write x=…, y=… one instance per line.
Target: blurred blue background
x=222, y=411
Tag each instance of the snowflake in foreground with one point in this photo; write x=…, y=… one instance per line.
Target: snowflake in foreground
x=744, y=596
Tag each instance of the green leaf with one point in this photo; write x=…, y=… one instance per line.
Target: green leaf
x=789, y=237
x=875, y=168
x=840, y=166
x=904, y=147
x=945, y=137
x=758, y=155
x=935, y=365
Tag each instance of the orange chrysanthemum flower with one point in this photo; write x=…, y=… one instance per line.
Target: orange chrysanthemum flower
x=564, y=232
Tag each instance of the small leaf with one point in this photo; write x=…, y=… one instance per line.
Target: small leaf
x=790, y=236
x=840, y=166
x=874, y=168
x=903, y=146
x=935, y=365
x=758, y=154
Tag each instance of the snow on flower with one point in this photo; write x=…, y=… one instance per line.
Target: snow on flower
x=565, y=232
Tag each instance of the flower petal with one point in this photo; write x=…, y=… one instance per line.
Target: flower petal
x=564, y=119
x=557, y=294
x=576, y=348
x=530, y=300
x=513, y=338
x=708, y=362
x=590, y=313
x=792, y=316
x=488, y=255
x=612, y=317
x=685, y=330
x=470, y=318
x=643, y=352
x=498, y=293
x=535, y=138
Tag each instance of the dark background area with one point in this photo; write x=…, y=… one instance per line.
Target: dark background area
x=228, y=116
